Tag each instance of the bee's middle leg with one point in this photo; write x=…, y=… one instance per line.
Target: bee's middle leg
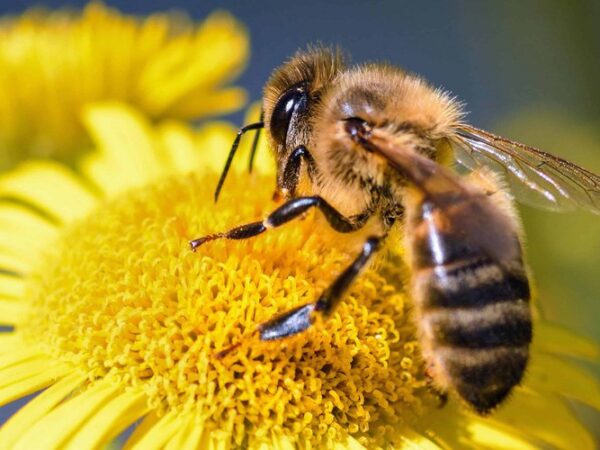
x=300, y=318
x=286, y=212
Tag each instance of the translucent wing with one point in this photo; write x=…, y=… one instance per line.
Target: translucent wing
x=537, y=178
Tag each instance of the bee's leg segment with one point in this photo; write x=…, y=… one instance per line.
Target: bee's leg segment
x=286, y=212
x=291, y=172
x=234, y=147
x=291, y=322
x=299, y=319
x=439, y=392
x=332, y=295
x=255, y=143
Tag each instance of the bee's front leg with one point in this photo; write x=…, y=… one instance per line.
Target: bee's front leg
x=291, y=172
x=286, y=212
x=300, y=318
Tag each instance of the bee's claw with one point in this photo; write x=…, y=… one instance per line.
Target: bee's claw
x=194, y=244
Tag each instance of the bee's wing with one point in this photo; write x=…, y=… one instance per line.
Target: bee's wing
x=536, y=177
x=468, y=211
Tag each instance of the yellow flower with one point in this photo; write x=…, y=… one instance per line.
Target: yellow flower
x=120, y=322
x=53, y=64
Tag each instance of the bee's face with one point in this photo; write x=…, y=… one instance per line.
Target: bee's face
x=293, y=93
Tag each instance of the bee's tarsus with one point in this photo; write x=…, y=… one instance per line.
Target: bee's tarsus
x=241, y=232
x=194, y=244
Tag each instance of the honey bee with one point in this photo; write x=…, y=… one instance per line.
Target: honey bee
x=369, y=147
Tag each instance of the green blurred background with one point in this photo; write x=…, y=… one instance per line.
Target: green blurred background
x=528, y=70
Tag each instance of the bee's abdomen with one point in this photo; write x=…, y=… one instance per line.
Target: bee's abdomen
x=477, y=320
x=484, y=377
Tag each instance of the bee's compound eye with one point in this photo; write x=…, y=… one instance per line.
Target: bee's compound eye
x=293, y=100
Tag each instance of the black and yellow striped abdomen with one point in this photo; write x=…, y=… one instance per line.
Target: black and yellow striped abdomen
x=473, y=309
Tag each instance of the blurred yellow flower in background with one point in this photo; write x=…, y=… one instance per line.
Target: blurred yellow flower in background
x=120, y=321
x=53, y=63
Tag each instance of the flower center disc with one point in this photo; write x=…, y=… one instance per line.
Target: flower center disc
x=122, y=296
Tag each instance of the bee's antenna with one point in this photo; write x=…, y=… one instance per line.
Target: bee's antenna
x=234, y=147
x=255, y=143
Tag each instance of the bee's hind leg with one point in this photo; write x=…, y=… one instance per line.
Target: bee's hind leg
x=300, y=318
x=440, y=392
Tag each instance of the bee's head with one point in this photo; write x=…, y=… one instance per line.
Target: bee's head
x=293, y=91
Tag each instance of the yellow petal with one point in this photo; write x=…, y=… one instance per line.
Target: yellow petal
x=127, y=143
x=19, y=245
x=204, y=103
x=37, y=408
x=18, y=354
x=353, y=444
x=545, y=417
x=215, y=54
x=24, y=223
x=412, y=440
x=32, y=383
x=454, y=427
x=349, y=444
x=25, y=368
x=205, y=150
x=11, y=286
x=14, y=263
x=159, y=434
x=11, y=312
x=10, y=343
x=141, y=430
x=113, y=418
x=194, y=437
x=52, y=430
x=188, y=436
x=178, y=142
x=100, y=171
x=556, y=339
x=552, y=374
x=50, y=187
x=489, y=435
